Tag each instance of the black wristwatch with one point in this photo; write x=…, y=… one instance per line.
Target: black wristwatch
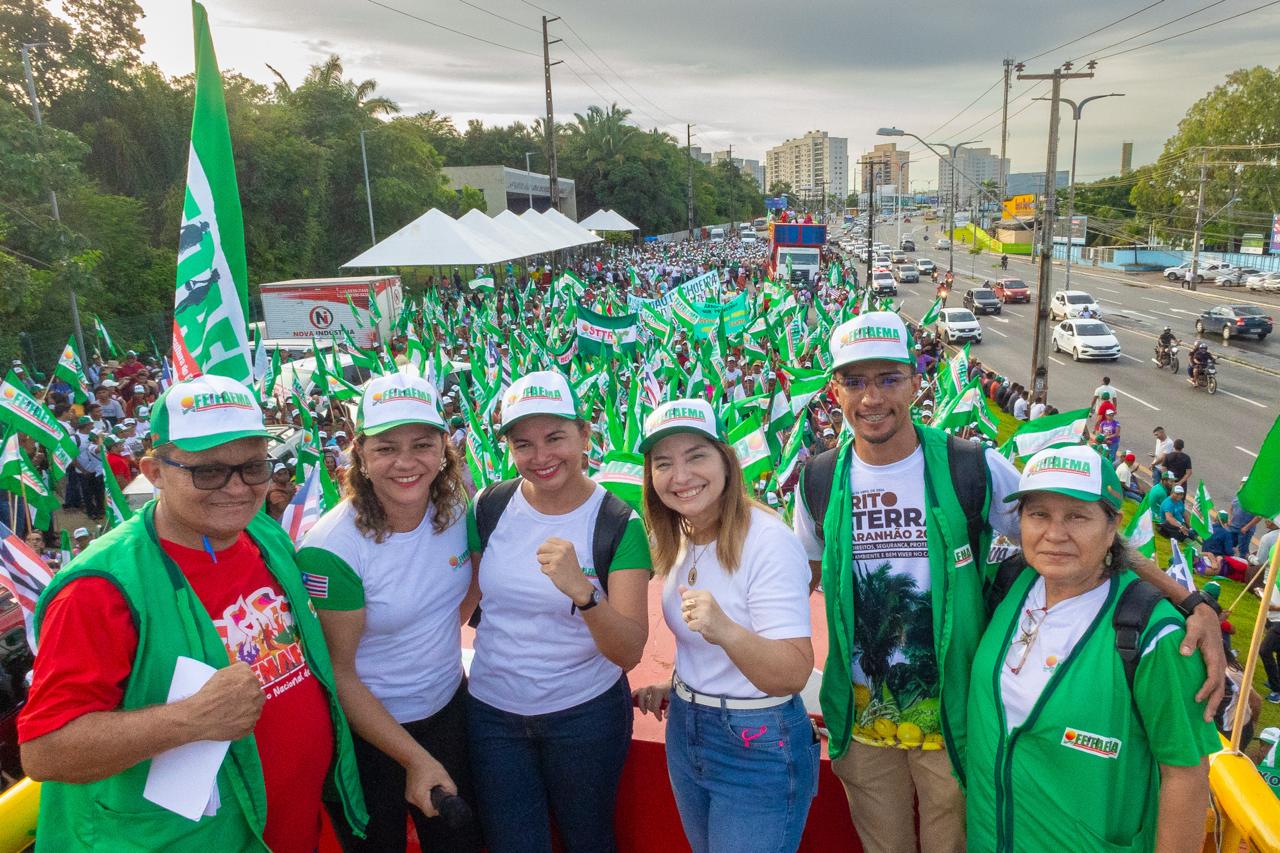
x=1188, y=605
x=591, y=602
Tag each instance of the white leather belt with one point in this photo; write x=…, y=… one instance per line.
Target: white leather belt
x=711, y=701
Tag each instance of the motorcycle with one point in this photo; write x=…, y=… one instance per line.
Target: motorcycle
x=1206, y=377
x=1167, y=358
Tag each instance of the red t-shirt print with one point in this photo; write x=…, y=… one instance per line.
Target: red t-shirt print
x=88, y=642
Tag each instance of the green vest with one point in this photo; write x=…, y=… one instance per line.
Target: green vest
x=171, y=621
x=1079, y=773
x=957, y=580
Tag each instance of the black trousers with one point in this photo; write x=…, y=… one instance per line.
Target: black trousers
x=444, y=735
x=1269, y=651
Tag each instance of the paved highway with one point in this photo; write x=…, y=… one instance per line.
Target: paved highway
x=1222, y=432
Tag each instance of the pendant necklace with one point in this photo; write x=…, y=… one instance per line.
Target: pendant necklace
x=693, y=570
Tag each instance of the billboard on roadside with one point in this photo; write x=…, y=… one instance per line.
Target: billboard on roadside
x=1254, y=244
x=1020, y=207
x=1079, y=227
x=1275, y=234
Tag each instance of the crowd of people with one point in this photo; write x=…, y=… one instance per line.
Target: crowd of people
x=973, y=686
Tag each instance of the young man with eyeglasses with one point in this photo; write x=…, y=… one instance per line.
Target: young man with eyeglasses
x=199, y=573
x=901, y=552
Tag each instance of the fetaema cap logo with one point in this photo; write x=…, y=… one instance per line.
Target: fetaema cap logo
x=196, y=403
x=1057, y=464
x=690, y=415
x=675, y=414
x=1076, y=471
x=874, y=336
x=543, y=392
x=397, y=399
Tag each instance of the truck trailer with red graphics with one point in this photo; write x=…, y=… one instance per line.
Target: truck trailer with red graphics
x=304, y=308
x=797, y=245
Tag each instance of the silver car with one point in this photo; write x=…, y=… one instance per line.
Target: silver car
x=1267, y=281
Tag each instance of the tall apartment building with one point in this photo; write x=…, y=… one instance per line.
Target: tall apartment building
x=813, y=164
x=751, y=168
x=974, y=165
x=885, y=165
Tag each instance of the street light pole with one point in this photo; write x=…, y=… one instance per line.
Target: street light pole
x=1077, y=108
x=368, y=194
x=53, y=195
x=951, y=199
x=528, y=176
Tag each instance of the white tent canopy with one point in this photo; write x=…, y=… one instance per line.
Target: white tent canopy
x=520, y=244
x=434, y=238
x=532, y=223
x=526, y=232
x=552, y=231
x=572, y=229
x=607, y=220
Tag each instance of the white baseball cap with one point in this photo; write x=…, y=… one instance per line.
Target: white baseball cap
x=874, y=336
x=204, y=412
x=395, y=400
x=543, y=392
x=676, y=416
x=1077, y=471
x=80, y=531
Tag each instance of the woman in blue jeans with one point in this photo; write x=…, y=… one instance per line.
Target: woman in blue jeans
x=741, y=751
x=550, y=712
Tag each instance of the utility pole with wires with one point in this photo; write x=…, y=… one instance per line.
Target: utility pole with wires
x=552, y=185
x=688, y=150
x=1044, y=294
x=53, y=195
x=1196, y=235
x=1004, y=131
x=733, y=195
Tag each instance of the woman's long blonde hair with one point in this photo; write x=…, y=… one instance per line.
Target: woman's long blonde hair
x=447, y=494
x=668, y=529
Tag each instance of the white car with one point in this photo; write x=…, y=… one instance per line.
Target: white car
x=959, y=324
x=882, y=283
x=749, y=238
x=1071, y=303
x=943, y=243
x=1086, y=339
x=1203, y=270
x=1263, y=281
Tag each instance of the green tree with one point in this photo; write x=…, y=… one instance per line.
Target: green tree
x=1240, y=112
x=778, y=188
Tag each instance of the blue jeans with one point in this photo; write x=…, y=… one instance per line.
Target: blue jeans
x=743, y=780
x=570, y=760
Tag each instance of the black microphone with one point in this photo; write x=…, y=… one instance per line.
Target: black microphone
x=451, y=807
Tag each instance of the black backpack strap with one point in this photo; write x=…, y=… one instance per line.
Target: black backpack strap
x=969, y=474
x=816, y=479
x=1133, y=612
x=611, y=524
x=1006, y=573
x=490, y=504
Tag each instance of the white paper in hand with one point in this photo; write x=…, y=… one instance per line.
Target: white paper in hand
x=184, y=779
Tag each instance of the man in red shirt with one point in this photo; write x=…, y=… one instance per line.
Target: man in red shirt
x=117, y=461
x=89, y=730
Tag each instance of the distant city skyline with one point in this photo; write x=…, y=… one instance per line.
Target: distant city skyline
x=756, y=77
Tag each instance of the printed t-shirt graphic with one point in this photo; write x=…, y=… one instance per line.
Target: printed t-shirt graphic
x=894, y=668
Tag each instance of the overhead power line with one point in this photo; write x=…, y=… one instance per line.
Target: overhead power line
x=462, y=33
x=1190, y=31
x=1150, y=30
x=1094, y=32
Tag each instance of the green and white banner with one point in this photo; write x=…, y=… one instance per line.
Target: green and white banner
x=599, y=334
x=70, y=371
x=211, y=299
x=1052, y=431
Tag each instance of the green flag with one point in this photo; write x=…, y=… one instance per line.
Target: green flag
x=211, y=300
x=750, y=443
x=1139, y=533
x=118, y=511
x=483, y=283
x=1201, y=520
x=1050, y=431
x=623, y=474
x=600, y=334
x=1260, y=494
x=70, y=371
x=931, y=316
x=103, y=336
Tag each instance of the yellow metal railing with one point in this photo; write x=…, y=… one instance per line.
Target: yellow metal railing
x=18, y=808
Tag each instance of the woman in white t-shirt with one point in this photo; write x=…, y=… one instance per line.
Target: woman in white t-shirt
x=741, y=751
x=389, y=572
x=550, y=711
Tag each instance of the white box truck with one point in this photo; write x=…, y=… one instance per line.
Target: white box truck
x=303, y=308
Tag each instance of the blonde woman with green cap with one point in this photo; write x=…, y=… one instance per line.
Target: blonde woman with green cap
x=1082, y=730
x=563, y=572
x=389, y=571
x=736, y=596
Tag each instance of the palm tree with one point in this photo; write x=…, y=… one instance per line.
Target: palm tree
x=891, y=598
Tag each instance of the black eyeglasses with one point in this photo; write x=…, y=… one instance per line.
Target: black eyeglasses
x=885, y=382
x=215, y=476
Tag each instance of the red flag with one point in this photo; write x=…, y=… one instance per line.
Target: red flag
x=184, y=364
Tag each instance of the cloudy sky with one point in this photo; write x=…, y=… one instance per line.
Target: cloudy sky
x=746, y=74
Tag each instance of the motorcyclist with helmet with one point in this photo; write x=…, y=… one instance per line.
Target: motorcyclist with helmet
x=1163, y=345
x=1200, y=359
